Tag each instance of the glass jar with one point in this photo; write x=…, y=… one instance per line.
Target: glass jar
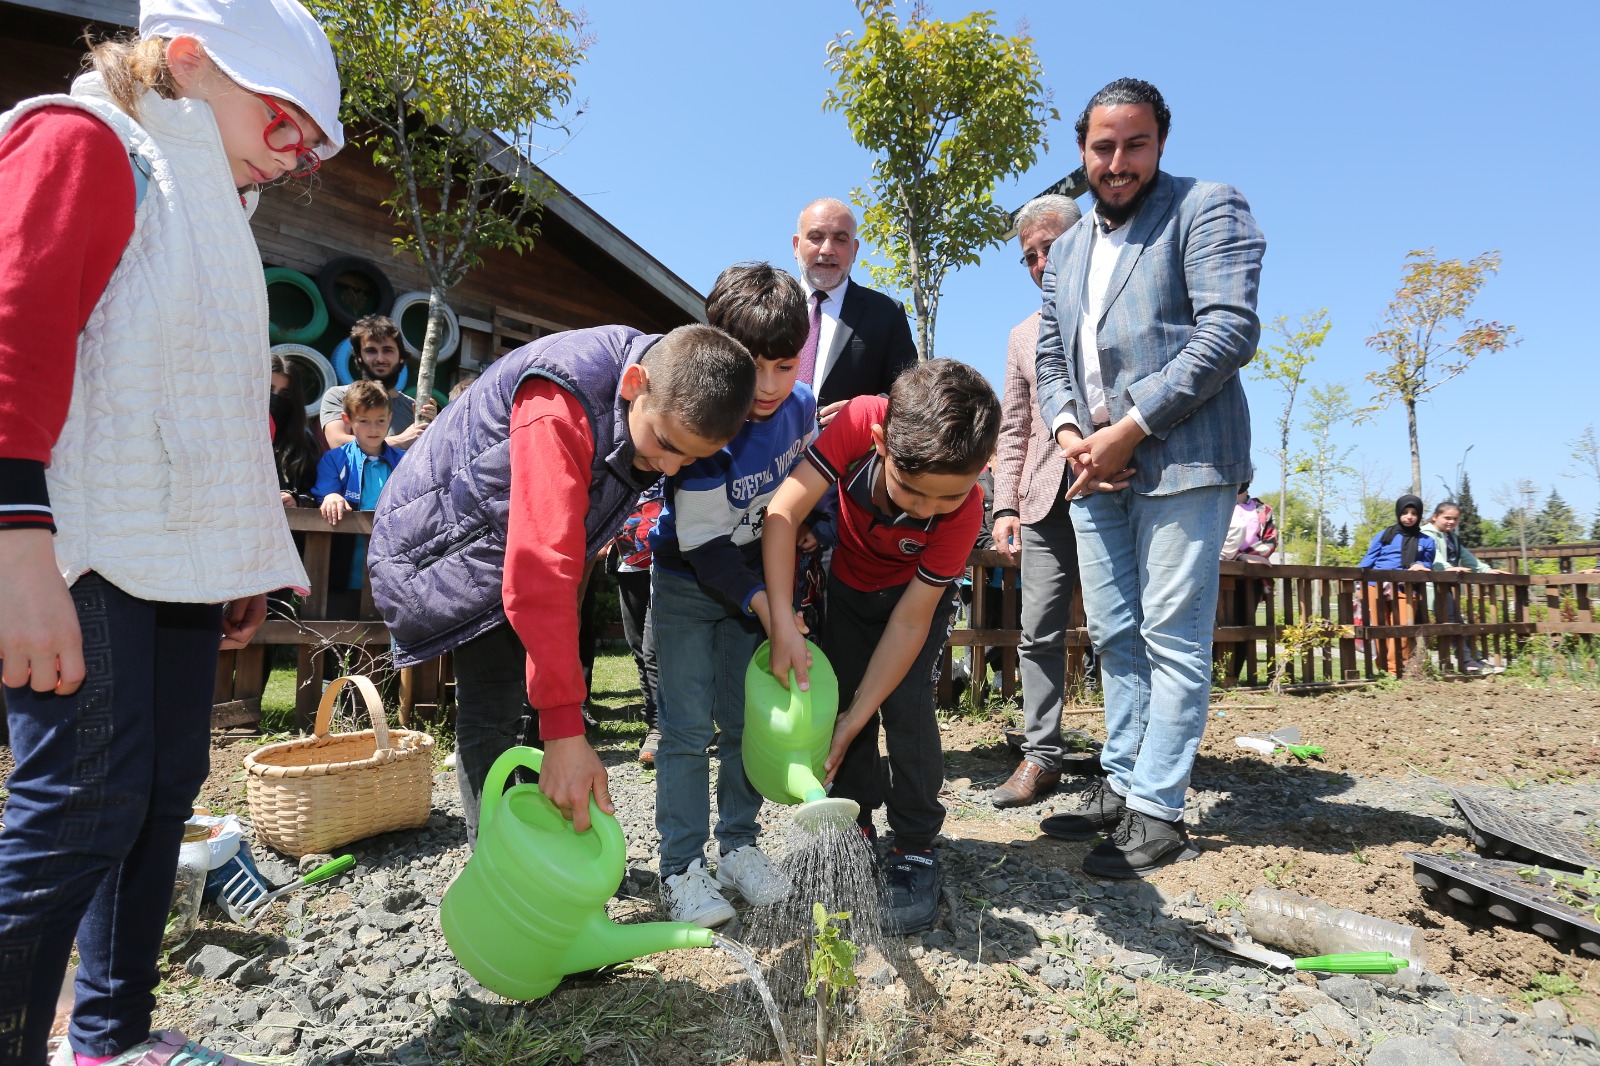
x=194, y=862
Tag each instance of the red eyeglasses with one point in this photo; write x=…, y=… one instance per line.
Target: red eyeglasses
x=283, y=135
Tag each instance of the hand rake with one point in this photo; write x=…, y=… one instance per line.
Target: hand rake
x=246, y=897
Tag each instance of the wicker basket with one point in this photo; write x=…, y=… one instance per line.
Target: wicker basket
x=310, y=796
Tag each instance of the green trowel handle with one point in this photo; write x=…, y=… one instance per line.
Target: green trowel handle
x=1353, y=962
x=329, y=869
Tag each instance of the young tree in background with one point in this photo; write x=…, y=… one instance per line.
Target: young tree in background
x=948, y=109
x=1433, y=299
x=1586, y=451
x=1470, y=531
x=451, y=95
x=1328, y=410
x=1518, y=500
x=1285, y=366
x=1344, y=537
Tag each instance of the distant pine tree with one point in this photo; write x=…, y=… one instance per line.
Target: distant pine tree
x=1343, y=540
x=1555, y=523
x=1594, y=530
x=1471, y=529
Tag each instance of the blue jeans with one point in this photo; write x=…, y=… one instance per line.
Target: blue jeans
x=702, y=648
x=1149, y=570
x=104, y=780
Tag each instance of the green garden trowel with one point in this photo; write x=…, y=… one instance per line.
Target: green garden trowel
x=787, y=734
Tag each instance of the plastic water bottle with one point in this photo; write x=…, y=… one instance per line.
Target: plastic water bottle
x=1303, y=926
x=189, y=885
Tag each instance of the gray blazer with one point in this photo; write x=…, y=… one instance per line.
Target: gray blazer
x=1179, y=323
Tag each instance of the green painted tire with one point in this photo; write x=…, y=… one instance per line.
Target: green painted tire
x=295, y=311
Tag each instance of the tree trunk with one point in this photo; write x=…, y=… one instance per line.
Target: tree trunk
x=1320, y=506
x=1283, y=497
x=822, y=1024
x=427, y=363
x=1416, y=453
x=924, y=337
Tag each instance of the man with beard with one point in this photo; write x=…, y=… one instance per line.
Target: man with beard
x=1031, y=515
x=1149, y=314
x=376, y=341
x=859, y=340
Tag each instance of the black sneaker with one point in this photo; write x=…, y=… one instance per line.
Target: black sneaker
x=1138, y=846
x=914, y=880
x=1099, y=809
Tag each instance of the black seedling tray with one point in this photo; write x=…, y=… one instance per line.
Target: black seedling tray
x=1504, y=834
x=1494, y=886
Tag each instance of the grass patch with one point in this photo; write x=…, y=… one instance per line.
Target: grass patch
x=632, y=1021
x=1101, y=1006
x=1550, y=986
x=1557, y=660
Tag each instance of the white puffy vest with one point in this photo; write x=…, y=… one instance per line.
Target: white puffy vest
x=163, y=479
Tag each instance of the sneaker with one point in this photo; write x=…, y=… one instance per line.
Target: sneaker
x=914, y=880
x=692, y=896
x=649, y=746
x=1138, y=846
x=171, y=1048
x=752, y=874
x=1100, y=809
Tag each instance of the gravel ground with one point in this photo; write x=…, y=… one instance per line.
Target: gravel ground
x=358, y=972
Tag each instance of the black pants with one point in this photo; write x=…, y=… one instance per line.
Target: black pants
x=638, y=627
x=915, y=770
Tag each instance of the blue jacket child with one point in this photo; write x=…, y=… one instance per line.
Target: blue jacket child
x=350, y=472
x=1402, y=545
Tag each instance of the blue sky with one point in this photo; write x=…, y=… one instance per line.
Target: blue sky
x=1357, y=132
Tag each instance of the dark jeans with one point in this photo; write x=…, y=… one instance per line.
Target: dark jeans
x=491, y=699
x=638, y=627
x=104, y=781
x=856, y=622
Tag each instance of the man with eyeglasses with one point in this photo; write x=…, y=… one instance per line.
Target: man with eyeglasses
x=1031, y=516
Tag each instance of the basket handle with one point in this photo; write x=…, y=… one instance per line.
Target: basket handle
x=369, y=692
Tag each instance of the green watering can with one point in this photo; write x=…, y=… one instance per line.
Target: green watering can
x=530, y=905
x=787, y=733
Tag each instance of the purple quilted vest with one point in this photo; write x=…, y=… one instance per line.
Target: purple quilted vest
x=439, y=535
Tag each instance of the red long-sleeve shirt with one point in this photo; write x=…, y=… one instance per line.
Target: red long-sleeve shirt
x=552, y=453
x=66, y=213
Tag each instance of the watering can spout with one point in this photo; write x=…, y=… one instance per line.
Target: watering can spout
x=605, y=943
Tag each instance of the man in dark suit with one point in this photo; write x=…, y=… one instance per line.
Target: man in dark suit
x=860, y=339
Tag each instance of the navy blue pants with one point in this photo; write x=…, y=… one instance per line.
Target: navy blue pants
x=104, y=781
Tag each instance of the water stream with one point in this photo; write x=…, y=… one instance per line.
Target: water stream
x=753, y=968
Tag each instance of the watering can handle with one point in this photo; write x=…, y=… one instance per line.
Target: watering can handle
x=494, y=786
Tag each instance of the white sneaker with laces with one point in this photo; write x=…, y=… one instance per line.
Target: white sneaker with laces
x=753, y=875
x=692, y=896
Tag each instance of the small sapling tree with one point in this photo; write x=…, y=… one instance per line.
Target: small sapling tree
x=833, y=962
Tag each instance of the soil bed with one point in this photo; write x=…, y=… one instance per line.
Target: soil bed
x=1033, y=962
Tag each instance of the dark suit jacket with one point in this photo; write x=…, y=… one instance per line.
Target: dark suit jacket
x=873, y=343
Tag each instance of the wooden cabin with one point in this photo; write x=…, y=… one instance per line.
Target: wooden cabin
x=581, y=272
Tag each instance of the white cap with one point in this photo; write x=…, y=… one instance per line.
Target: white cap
x=273, y=47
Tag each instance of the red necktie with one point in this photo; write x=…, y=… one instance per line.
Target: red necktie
x=808, y=351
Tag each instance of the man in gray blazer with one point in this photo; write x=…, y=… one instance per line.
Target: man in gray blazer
x=1149, y=314
x=1031, y=515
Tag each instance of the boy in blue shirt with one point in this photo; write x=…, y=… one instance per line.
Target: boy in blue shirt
x=351, y=477
x=710, y=605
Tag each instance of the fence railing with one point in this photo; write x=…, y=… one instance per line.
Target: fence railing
x=1369, y=621
x=1567, y=556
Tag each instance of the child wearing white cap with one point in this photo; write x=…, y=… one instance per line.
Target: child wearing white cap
x=139, y=518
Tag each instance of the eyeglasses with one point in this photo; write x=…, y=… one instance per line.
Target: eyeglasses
x=283, y=135
x=1031, y=258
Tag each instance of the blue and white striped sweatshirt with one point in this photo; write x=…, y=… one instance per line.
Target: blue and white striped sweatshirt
x=711, y=528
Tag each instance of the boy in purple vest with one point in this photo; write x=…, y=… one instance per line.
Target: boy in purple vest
x=485, y=536
x=909, y=512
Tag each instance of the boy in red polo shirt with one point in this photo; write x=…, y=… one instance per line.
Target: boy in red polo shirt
x=909, y=512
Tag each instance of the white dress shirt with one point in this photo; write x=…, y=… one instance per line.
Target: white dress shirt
x=1103, y=256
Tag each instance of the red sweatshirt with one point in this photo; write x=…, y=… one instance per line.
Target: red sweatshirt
x=66, y=213
x=552, y=451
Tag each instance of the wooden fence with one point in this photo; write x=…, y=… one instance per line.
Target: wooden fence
x=1376, y=621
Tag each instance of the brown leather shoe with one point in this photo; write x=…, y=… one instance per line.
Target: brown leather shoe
x=1028, y=784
